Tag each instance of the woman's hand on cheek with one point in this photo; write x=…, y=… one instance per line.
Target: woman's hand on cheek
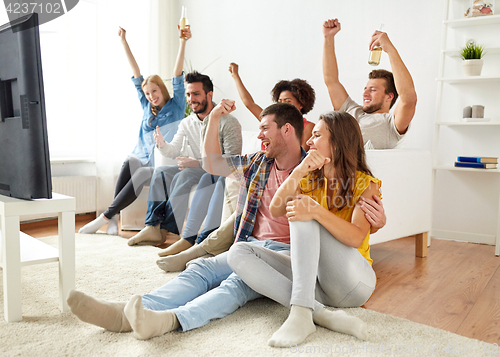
x=302, y=208
x=313, y=161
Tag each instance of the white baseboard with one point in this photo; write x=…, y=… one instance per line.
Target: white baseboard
x=463, y=236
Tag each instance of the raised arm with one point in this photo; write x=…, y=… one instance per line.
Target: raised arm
x=130, y=57
x=213, y=161
x=405, y=108
x=336, y=90
x=185, y=35
x=243, y=92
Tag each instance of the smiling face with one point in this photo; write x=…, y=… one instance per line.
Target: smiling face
x=374, y=97
x=271, y=137
x=287, y=97
x=153, y=94
x=320, y=140
x=197, y=98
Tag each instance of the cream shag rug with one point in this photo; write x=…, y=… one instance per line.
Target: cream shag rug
x=107, y=268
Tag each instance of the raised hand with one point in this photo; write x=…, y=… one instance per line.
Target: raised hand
x=233, y=69
x=122, y=33
x=225, y=107
x=331, y=27
x=380, y=39
x=157, y=135
x=185, y=33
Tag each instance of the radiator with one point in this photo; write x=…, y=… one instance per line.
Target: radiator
x=83, y=188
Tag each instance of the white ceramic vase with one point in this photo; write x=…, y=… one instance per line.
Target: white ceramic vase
x=472, y=67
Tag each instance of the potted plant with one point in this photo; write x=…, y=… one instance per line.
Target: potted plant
x=472, y=55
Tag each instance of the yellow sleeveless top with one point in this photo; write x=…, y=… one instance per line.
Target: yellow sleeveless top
x=319, y=194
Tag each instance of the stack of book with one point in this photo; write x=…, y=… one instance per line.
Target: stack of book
x=477, y=162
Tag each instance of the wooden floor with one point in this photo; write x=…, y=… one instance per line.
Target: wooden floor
x=456, y=288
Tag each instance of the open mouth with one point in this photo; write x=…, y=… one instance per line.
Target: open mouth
x=265, y=144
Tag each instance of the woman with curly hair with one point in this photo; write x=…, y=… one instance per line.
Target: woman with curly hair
x=297, y=92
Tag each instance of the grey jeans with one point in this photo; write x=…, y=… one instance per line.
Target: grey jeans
x=320, y=270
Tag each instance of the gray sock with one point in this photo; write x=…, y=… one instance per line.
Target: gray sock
x=178, y=262
x=105, y=314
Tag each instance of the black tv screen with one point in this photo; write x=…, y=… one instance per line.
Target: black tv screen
x=24, y=154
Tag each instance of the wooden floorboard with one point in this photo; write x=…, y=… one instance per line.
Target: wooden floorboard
x=483, y=321
x=456, y=288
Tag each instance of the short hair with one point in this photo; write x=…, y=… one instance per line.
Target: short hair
x=156, y=79
x=195, y=76
x=286, y=113
x=390, y=86
x=300, y=89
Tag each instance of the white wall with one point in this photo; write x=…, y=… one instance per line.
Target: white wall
x=274, y=40
x=270, y=40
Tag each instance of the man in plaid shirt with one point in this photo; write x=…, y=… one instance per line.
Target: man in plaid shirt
x=208, y=289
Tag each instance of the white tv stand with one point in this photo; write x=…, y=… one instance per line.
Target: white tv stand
x=18, y=249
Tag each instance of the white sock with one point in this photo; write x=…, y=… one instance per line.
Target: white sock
x=148, y=323
x=92, y=227
x=339, y=321
x=295, y=329
x=113, y=226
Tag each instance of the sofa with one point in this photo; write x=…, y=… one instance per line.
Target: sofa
x=406, y=176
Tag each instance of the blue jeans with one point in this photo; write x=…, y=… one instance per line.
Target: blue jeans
x=169, y=196
x=206, y=290
x=207, y=203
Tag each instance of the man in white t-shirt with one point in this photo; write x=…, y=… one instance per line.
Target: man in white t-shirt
x=383, y=129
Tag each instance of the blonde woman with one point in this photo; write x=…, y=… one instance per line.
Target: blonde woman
x=159, y=110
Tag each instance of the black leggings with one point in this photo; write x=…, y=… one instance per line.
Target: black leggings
x=132, y=178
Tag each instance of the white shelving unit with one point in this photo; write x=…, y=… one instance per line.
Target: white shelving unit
x=454, y=137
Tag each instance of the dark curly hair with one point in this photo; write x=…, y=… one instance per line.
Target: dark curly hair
x=300, y=89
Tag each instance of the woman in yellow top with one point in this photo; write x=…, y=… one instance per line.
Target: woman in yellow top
x=329, y=262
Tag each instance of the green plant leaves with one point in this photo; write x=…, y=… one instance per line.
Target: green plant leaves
x=472, y=51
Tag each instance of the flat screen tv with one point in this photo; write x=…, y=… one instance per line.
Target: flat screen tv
x=24, y=154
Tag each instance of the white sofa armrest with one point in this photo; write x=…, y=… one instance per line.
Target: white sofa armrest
x=406, y=177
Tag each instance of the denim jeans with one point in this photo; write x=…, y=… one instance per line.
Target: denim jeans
x=206, y=290
x=207, y=205
x=169, y=196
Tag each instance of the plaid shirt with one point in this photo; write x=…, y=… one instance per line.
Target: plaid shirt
x=252, y=171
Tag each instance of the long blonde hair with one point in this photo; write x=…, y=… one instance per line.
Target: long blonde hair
x=156, y=79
